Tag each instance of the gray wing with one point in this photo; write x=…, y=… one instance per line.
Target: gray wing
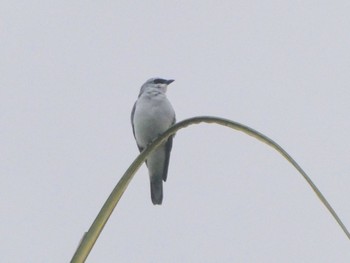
x=132, y=124
x=168, y=146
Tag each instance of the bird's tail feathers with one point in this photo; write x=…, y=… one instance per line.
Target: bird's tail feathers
x=157, y=191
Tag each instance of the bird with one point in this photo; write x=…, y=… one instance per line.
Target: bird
x=152, y=115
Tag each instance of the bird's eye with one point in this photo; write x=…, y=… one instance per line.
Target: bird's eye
x=159, y=81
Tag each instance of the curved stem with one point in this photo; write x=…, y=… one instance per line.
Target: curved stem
x=91, y=236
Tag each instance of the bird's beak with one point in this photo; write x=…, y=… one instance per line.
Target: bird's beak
x=169, y=81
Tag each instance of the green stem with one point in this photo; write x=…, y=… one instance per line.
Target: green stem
x=91, y=236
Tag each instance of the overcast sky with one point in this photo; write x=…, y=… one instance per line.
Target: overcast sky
x=70, y=73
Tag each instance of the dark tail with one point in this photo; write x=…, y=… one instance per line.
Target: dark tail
x=157, y=191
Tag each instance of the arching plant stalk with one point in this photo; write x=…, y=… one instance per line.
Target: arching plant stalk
x=91, y=236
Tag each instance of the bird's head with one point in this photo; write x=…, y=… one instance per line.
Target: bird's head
x=156, y=84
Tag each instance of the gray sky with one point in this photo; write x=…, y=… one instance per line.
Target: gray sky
x=70, y=73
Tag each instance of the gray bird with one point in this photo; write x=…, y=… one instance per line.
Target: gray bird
x=151, y=115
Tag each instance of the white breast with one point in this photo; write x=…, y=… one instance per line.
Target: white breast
x=153, y=115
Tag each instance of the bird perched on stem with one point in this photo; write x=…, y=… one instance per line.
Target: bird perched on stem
x=152, y=115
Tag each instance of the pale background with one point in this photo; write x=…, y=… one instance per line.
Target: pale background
x=70, y=73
